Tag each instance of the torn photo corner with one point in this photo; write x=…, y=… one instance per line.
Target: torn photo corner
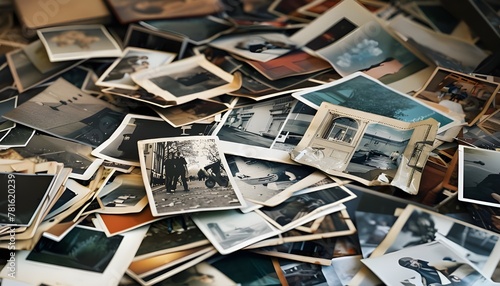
x=368, y=148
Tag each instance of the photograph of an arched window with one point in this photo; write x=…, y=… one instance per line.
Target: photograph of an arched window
x=341, y=129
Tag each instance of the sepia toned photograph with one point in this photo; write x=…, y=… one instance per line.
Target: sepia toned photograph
x=64, y=111
x=227, y=234
x=478, y=176
x=468, y=96
x=121, y=147
x=187, y=174
x=78, y=42
x=132, y=60
x=491, y=124
x=141, y=37
x=191, y=112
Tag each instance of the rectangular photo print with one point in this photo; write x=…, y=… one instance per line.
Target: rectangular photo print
x=227, y=233
x=371, y=149
x=478, y=176
x=168, y=162
x=132, y=60
x=364, y=93
x=468, y=96
x=78, y=42
x=191, y=112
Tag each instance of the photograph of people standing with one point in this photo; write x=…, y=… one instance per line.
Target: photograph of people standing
x=179, y=170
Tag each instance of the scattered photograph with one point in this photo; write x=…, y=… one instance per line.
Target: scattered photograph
x=200, y=272
x=433, y=263
x=343, y=142
x=170, y=234
x=260, y=47
x=227, y=234
x=30, y=192
x=478, y=176
x=128, y=11
x=17, y=137
x=318, y=7
x=78, y=42
x=491, y=124
x=364, y=93
x=416, y=226
x=168, y=162
x=298, y=272
x=5, y=106
x=300, y=209
x=465, y=95
x=260, y=180
x=191, y=112
x=121, y=147
x=372, y=229
x=188, y=79
x=125, y=193
x=132, y=60
x=140, y=95
x=63, y=110
x=114, y=224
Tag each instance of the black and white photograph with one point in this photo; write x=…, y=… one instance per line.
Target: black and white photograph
x=191, y=112
x=416, y=226
x=258, y=47
x=25, y=193
x=429, y=264
x=479, y=176
x=338, y=142
x=296, y=273
x=74, y=155
x=260, y=180
x=121, y=147
x=132, y=60
x=18, y=136
x=372, y=229
x=170, y=234
x=139, y=94
x=5, y=106
x=364, y=93
x=84, y=252
x=125, y=193
x=188, y=79
x=78, y=42
x=65, y=111
x=170, y=168
x=466, y=95
x=251, y=129
x=226, y=232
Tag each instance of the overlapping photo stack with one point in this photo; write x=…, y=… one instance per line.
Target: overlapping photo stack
x=214, y=142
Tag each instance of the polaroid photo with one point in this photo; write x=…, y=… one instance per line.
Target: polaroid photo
x=226, y=233
x=213, y=27
x=303, y=208
x=361, y=92
x=169, y=235
x=78, y=42
x=163, y=274
x=25, y=73
x=431, y=263
x=319, y=251
x=73, y=155
x=468, y=96
x=141, y=37
x=478, y=176
x=416, y=226
x=84, y=256
x=27, y=192
x=121, y=147
x=17, y=137
x=73, y=193
x=188, y=79
x=168, y=162
x=343, y=142
x=124, y=194
x=132, y=60
x=261, y=180
x=7, y=105
x=252, y=130
x=64, y=111
x=260, y=47
x=191, y=112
